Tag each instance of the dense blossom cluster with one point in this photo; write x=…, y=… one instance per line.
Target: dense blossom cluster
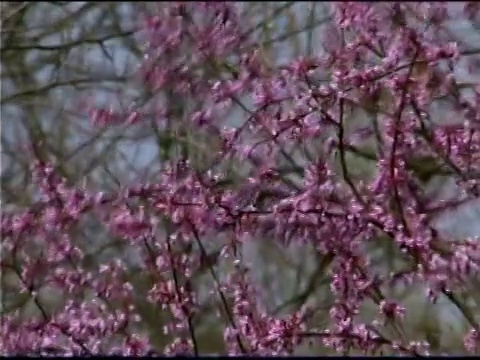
x=389, y=61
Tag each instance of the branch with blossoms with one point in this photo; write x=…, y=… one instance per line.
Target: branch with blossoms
x=286, y=172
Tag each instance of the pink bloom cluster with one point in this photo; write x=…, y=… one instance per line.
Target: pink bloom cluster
x=392, y=61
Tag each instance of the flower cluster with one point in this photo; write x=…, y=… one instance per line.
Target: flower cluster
x=296, y=152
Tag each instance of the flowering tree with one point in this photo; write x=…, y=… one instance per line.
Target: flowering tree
x=344, y=152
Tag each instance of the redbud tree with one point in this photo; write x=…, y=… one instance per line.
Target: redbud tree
x=341, y=152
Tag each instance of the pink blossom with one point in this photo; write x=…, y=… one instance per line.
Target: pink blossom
x=293, y=155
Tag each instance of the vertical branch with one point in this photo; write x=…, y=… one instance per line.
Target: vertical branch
x=398, y=117
x=186, y=312
x=223, y=298
x=341, y=149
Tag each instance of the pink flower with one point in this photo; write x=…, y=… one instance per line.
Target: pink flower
x=336, y=153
